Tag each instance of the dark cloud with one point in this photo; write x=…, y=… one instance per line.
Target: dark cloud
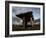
x=18, y=10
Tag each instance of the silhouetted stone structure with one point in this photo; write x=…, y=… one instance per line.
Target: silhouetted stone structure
x=26, y=17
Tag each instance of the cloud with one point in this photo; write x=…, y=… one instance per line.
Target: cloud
x=18, y=10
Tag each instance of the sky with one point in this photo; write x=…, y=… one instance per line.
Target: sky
x=19, y=10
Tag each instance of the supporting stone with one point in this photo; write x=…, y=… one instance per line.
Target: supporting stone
x=31, y=21
x=24, y=22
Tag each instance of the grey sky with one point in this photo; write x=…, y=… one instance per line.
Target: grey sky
x=18, y=10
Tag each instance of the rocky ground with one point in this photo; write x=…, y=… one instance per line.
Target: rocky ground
x=21, y=27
